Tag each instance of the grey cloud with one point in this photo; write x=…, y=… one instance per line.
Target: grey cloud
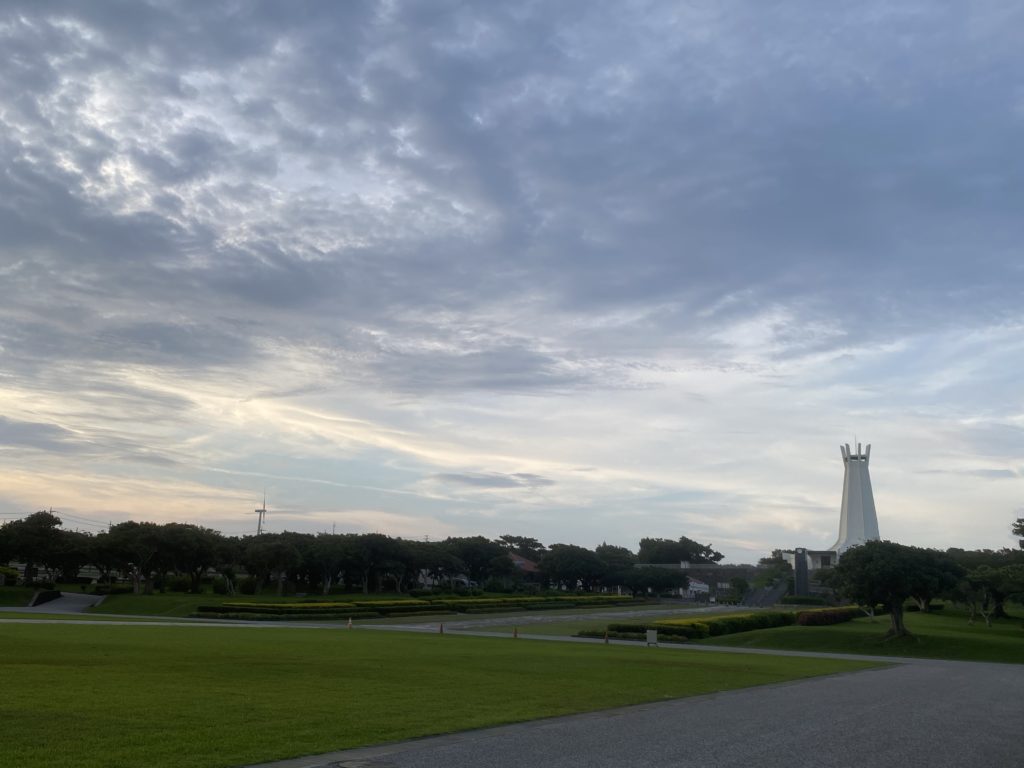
x=503, y=368
x=495, y=480
x=995, y=474
x=602, y=156
x=40, y=436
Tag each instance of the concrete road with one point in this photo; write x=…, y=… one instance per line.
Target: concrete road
x=68, y=602
x=916, y=714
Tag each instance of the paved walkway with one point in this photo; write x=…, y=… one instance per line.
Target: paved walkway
x=915, y=714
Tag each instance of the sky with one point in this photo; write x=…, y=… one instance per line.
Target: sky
x=582, y=271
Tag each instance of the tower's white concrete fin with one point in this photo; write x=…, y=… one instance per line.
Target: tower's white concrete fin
x=858, y=521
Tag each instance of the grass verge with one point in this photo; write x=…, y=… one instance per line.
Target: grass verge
x=15, y=596
x=945, y=635
x=204, y=697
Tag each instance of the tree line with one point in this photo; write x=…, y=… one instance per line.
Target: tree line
x=889, y=574
x=153, y=555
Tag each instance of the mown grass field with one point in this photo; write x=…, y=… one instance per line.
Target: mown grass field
x=942, y=635
x=15, y=595
x=206, y=696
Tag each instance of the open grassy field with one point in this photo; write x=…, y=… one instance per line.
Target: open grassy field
x=206, y=696
x=38, y=615
x=943, y=635
x=15, y=595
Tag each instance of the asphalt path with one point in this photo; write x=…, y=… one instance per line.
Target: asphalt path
x=914, y=714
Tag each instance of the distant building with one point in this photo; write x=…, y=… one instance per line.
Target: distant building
x=858, y=521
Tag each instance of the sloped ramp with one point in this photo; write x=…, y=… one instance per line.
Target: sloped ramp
x=765, y=597
x=68, y=602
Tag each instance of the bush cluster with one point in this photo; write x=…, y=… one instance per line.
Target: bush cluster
x=804, y=600
x=730, y=623
x=403, y=607
x=820, y=617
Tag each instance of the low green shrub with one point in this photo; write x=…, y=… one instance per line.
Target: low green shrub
x=178, y=584
x=819, y=617
x=731, y=623
x=803, y=600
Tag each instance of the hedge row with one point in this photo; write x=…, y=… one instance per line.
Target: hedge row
x=803, y=600
x=714, y=626
x=406, y=607
x=285, y=617
x=824, y=616
x=611, y=635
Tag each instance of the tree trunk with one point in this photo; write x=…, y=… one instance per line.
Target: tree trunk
x=896, y=616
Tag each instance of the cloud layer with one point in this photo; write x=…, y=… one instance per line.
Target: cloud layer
x=587, y=272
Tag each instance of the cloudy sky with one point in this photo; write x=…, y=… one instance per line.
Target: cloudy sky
x=584, y=271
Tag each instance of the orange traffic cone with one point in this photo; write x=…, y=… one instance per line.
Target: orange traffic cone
x=350, y=622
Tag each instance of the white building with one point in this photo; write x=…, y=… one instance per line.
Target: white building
x=858, y=521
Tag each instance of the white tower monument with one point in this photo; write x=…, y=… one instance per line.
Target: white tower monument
x=858, y=522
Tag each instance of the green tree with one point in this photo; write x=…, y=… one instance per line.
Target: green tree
x=772, y=568
x=34, y=540
x=878, y=572
x=270, y=555
x=972, y=560
x=572, y=567
x=330, y=552
x=618, y=564
x=642, y=579
x=524, y=546
x=669, y=551
x=190, y=550
x=935, y=574
x=72, y=553
x=739, y=587
x=1018, y=528
x=136, y=548
x=477, y=553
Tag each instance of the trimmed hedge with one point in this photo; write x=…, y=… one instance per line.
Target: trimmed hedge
x=404, y=607
x=285, y=616
x=803, y=600
x=600, y=634
x=678, y=630
x=728, y=624
x=823, y=616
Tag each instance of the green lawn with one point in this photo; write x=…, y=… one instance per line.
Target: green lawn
x=33, y=614
x=943, y=635
x=200, y=697
x=15, y=595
